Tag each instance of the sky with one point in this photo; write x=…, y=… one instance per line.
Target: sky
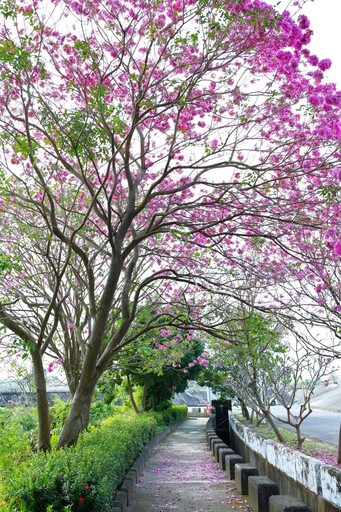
x=325, y=18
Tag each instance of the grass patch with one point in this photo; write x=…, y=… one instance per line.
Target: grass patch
x=312, y=447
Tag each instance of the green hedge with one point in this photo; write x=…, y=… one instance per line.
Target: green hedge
x=172, y=414
x=85, y=477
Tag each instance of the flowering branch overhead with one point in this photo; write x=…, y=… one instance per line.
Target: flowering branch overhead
x=156, y=150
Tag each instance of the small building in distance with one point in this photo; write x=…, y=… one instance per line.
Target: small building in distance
x=196, y=398
x=20, y=391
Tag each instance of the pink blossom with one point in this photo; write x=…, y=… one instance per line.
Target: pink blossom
x=303, y=22
x=314, y=99
x=325, y=64
x=336, y=173
x=337, y=248
x=313, y=60
x=160, y=346
x=330, y=232
x=203, y=362
x=214, y=144
x=306, y=38
x=71, y=325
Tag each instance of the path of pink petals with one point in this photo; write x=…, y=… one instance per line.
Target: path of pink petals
x=173, y=466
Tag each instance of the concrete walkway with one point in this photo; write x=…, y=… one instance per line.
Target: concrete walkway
x=182, y=475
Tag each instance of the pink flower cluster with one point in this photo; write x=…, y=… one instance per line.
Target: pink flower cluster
x=51, y=365
x=136, y=125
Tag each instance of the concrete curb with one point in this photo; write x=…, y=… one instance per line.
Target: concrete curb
x=258, y=488
x=321, y=480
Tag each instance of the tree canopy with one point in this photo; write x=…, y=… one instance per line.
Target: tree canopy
x=151, y=153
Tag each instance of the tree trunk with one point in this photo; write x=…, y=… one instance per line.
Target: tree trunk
x=131, y=395
x=71, y=381
x=266, y=413
x=299, y=438
x=144, y=398
x=252, y=415
x=245, y=411
x=339, y=450
x=274, y=427
x=44, y=426
x=79, y=414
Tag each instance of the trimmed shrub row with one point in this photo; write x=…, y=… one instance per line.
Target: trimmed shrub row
x=87, y=476
x=172, y=414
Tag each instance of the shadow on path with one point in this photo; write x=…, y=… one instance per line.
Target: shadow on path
x=182, y=475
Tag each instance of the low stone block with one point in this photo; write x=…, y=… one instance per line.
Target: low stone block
x=260, y=490
x=147, y=450
x=140, y=462
x=121, y=501
x=138, y=467
x=217, y=448
x=212, y=439
x=214, y=443
x=132, y=477
x=128, y=487
x=242, y=473
x=230, y=462
x=222, y=455
x=286, y=503
x=132, y=474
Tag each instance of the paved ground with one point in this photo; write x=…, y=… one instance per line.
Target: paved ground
x=182, y=475
x=329, y=400
x=324, y=422
x=320, y=424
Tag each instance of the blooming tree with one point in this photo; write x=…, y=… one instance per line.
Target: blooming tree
x=262, y=369
x=145, y=144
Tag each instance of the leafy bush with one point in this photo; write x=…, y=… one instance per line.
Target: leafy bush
x=78, y=479
x=85, y=477
x=172, y=414
x=100, y=410
x=58, y=414
x=15, y=442
x=60, y=409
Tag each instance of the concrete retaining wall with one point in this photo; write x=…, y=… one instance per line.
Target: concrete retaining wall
x=310, y=480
